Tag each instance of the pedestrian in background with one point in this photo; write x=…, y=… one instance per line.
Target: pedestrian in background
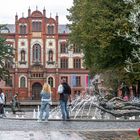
x=2, y=102
x=15, y=103
x=64, y=91
x=46, y=101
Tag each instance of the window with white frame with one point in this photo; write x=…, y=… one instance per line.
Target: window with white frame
x=50, y=81
x=36, y=53
x=22, y=82
x=50, y=56
x=63, y=47
x=22, y=53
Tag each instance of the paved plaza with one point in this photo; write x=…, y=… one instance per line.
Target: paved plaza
x=30, y=129
x=67, y=135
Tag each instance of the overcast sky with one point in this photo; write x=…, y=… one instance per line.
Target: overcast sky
x=9, y=8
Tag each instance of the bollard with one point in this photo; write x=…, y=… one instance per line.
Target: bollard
x=34, y=114
x=38, y=112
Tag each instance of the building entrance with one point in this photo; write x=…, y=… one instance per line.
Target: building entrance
x=36, y=89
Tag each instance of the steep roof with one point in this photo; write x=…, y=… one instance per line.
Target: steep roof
x=62, y=28
x=11, y=27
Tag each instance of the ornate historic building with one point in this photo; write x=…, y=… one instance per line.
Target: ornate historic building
x=42, y=54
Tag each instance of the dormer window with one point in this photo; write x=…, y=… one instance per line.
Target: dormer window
x=36, y=26
x=50, y=29
x=22, y=29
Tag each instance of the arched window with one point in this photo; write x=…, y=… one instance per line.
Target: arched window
x=50, y=29
x=36, y=53
x=22, y=82
x=50, y=81
x=50, y=56
x=22, y=57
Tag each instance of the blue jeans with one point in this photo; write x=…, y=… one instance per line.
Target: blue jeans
x=45, y=108
x=64, y=110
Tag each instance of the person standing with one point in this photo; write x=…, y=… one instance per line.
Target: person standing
x=2, y=102
x=46, y=101
x=64, y=91
x=15, y=103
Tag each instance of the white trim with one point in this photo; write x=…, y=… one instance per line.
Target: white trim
x=25, y=80
x=52, y=78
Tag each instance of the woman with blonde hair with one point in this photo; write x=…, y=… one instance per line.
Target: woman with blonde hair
x=45, y=102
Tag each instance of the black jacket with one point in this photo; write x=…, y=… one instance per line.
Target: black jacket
x=66, y=92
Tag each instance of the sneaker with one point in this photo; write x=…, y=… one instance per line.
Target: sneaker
x=39, y=120
x=68, y=119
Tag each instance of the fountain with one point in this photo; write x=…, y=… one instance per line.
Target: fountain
x=96, y=105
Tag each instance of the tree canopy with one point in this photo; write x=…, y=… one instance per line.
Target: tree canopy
x=6, y=54
x=94, y=27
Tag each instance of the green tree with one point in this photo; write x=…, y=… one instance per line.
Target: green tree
x=95, y=26
x=6, y=53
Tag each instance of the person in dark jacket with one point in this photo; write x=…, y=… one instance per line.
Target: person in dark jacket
x=15, y=106
x=64, y=91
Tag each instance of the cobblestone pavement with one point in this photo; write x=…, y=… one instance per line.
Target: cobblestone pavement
x=67, y=135
x=12, y=129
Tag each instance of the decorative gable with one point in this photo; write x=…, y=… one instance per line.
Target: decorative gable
x=36, y=14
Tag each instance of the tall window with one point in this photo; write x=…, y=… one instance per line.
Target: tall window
x=8, y=64
x=77, y=63
x=76, y=50
x=50, y=56
x=36, y=26
x=36, y=53
x=8, y=82
x=22, y=82
x=78, y=81
x=50, y=81
x=50, y=29
x=64, y=63
x=22, y=29
x=63, y=47
x=22, y=57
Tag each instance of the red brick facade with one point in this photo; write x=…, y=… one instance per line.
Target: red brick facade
x=38, y=57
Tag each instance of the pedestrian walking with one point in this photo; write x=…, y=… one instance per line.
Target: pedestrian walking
x=15, y=103
x=46, y=101
x=2, y=102
x=64, y=92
